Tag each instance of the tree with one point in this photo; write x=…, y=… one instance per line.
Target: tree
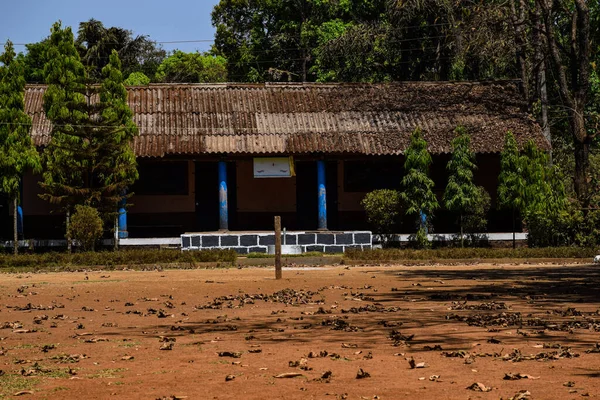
x=510, y=181
x=89, y=160
x=66, y=104
x=95, y=43
x=192, y=68
x=34, y=60
x=115, y=167
x=137, y=79
x=544, y=200
x=382, y=207
x=417, y=194
x=569, y=36
x=86, y=226
x=17, y=153
x=462, y=196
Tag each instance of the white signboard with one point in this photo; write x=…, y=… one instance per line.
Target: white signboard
x=274, y=167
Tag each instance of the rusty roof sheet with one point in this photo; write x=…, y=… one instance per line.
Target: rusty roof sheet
x=370, y=119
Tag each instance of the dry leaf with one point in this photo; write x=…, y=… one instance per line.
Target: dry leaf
x=288, y=375
x=479, y=387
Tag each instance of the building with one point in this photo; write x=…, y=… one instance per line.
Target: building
x=199, y=143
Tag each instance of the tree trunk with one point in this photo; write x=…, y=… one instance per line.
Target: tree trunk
x=544, y=101
x=582, y=155
x=15, y=226
x=462, y=244
x=69, y=244
x=514, y=229
x=582, y=164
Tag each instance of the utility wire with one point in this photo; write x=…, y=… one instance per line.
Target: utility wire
x=290, y=36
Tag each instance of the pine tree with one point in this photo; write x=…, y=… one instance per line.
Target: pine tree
x=116, y=167
x=90, y=159
x=417, y=195
x=66, y=103
x=17, y=153
x=462, y=196
x=510, y=182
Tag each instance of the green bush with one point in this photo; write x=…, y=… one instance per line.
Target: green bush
x=85, y=227
x=109, y=259
x=382, y=207
x=419, y=240
x=450, y=253
x=566, y=228
x=137, y=79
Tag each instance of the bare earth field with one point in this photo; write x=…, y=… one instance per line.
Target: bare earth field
x=378, y=332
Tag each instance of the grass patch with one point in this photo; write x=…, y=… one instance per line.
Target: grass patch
x=468, y=253
x=13, y=383
x=109, y=373
x=113, y=259
x=128, y=345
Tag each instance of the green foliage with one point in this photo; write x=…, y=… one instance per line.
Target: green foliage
x=89, y=159
x=137, y=79
x=417, y=187
x=115, y=166
x=396, y=255
x=382, y=207
x=17, y=153
x=462, y=196
x=366, y=40
x=68, y=154
x=419, y=240
x=543, y=192
x=475, y=220
x=96, y=43
x=192, y=68
x=85, y=227
x=116, y=260
x=571, y=226
x=510, y=182
x=34, y=60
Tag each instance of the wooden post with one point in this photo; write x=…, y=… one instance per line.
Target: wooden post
x=277, y=247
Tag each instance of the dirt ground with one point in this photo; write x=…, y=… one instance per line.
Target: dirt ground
x=470, y=332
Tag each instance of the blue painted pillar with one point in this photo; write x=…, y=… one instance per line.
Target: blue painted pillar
x=424, y=221
x=20, y=229
x=322, y=193
x=223, y=206
x=123, y=233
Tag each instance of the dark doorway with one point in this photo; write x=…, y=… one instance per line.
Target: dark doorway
x=306, y=195
x=207, y=196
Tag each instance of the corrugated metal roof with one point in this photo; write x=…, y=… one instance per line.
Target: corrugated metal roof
x=374, y=119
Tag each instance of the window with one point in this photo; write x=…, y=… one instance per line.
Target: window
x=162, y=178
x=365, y=176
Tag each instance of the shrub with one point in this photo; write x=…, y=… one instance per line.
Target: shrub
x=110, y=259
x=85, y=226
x=419, y=240
x=137, y=79
x=566, y=228
x=382, y=207
x=450, y=253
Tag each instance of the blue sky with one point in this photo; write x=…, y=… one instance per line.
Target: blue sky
x=27, y=21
